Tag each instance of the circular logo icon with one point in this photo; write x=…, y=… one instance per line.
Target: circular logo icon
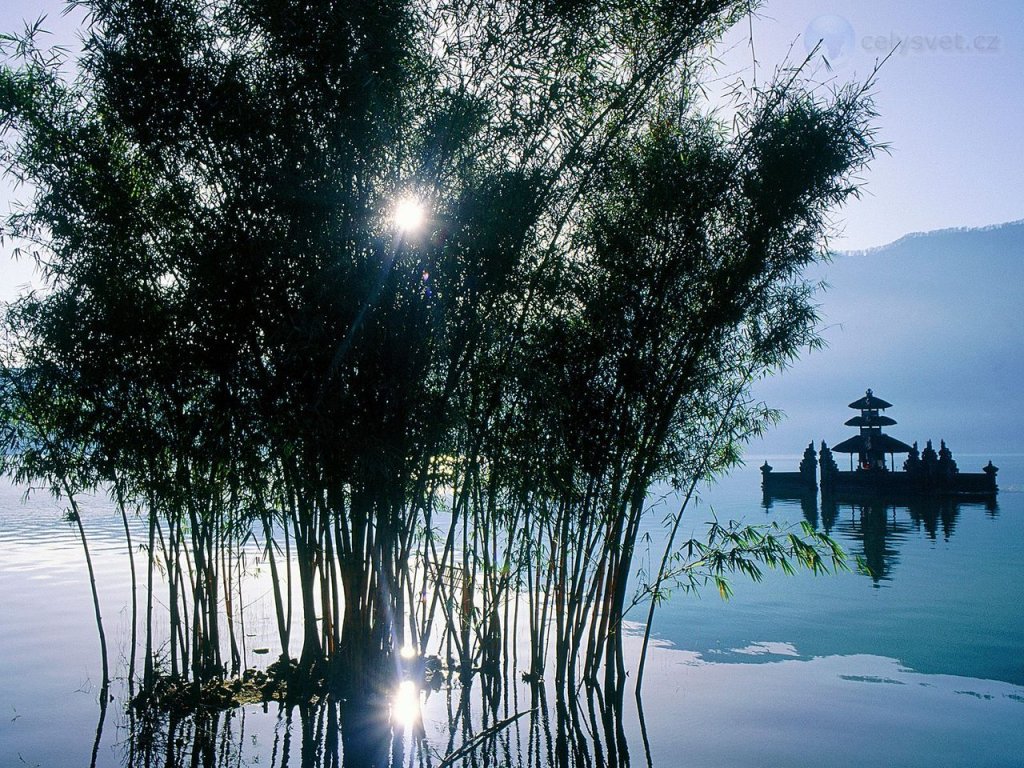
x=833, y=36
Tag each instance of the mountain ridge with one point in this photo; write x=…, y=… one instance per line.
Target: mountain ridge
x=913, y=236
x=933, y=322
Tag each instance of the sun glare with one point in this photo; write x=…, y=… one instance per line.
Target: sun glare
x=405, y=706
x=409, y=215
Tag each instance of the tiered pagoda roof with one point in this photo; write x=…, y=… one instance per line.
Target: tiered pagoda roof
x=871, y=442
x=870, y=403
x=864, y=443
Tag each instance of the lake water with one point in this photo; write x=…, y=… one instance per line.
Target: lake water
x=920, y=663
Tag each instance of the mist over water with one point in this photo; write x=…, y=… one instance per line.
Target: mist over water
x=932, y=324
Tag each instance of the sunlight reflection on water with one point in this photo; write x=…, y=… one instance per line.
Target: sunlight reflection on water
x=405, y=705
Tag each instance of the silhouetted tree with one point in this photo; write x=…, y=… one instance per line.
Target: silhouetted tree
x=235, y=332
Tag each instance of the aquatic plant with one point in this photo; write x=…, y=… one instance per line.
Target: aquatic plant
x=424, y=296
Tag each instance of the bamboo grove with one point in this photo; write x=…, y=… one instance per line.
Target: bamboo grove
x=444, y=435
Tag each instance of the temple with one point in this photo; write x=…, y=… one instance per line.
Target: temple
x=873, y=465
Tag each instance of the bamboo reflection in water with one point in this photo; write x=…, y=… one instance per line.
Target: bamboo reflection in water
x=581, y=731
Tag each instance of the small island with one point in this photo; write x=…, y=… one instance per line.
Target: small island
x=873, y=464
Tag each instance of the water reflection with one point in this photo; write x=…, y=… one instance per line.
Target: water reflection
x=301, y=735
x=877, y=529
x=966, y=624
x=808, y=506
x=405, y=705
x=532, y=727
x=877, y=525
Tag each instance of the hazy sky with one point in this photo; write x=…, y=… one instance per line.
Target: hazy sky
x=951, y=101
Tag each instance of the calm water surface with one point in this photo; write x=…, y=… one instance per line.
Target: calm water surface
x=919, y=664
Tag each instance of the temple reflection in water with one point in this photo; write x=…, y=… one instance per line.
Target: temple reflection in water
x=877, y=524
x=873, y=503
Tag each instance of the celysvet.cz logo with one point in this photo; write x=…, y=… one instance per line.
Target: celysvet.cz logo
x=948, y=43
x=834, y=38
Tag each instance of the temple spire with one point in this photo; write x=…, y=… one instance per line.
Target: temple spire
x=871, y=444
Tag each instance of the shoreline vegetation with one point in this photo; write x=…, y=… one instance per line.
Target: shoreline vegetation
x=423, y=298
x=281, y=682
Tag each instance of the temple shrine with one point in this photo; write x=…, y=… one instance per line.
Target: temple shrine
x=873, y=464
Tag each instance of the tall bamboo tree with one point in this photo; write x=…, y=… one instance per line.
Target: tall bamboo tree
x=236, y=332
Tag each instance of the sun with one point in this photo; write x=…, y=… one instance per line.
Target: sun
x=409, y=215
